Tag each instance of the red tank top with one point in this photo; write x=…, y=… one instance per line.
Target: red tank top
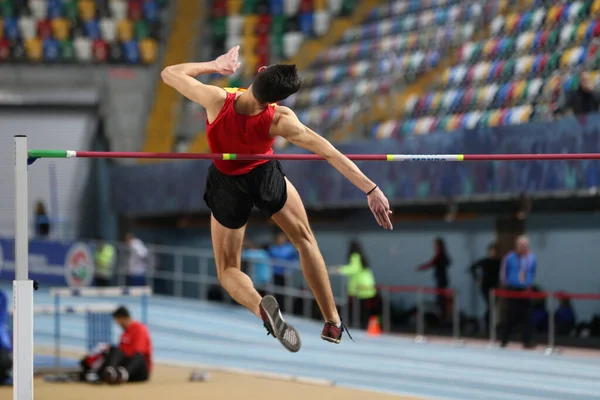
x=235, y=133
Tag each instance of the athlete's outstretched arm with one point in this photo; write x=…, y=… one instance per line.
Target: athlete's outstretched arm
x=288, y=126
x=181, y=77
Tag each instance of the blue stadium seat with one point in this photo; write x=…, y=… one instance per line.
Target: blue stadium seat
x=131, y=52
x=51, y=50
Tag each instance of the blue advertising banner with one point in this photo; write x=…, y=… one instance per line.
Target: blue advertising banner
x=177, y=187
x=54, y=263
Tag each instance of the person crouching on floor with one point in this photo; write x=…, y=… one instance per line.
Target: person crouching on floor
x=131, y=361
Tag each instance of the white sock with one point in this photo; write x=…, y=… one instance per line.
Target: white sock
x=338, y=325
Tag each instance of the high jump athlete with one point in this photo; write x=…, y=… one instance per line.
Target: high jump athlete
x=243, y=121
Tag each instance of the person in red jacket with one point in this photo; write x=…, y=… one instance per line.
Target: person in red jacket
x=131, y=361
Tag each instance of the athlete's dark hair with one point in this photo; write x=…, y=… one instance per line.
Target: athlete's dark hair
x=276, y=83
x=121, y=312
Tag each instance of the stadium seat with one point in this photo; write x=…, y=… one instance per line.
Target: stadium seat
x=306, y=21
x=92, y=29
x=125, y=30
x=27, y=27
x=33, y=49
x=55, y=9
x=131, y=53
x=87, y=9
x=235, y=25
x=102, y=9
x=115, y=54
x=17, y=51
x=51, y=50
x=71, y=11
x=44, y=28
x=67, y=51
x=134, y=10
x=108, y=27
x=118, y=9
x=4, y=50
x=148, y=50
x=83, y=49
x=60, y=28
x=39, y=8
x=291, y=7
x=291, y=43
x=141, y=30
x=99, y=51
x=151, y=11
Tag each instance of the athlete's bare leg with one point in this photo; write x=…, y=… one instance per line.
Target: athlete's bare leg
x=293, y=220
x=227, y=246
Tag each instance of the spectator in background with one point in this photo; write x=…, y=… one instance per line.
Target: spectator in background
x=281, y=250
x=104, y=257
x=584, y=99
x=138, y=261
x=131, y=361
x=487, y=273
x=564, y=317
x=361, y=282
x=440, y=263
x=518, y=274
x=41, y=221
x=5, y=342
x=260, y=270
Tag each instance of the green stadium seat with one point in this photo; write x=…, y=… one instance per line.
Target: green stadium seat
x=67, y=51
x=553, y=38
x=141, y=30
x=278, y=25
x=348, y=7
x=70, y=10
x=553, y=63
x=277, y=47
x=219, y=28
x=250, y=7
x=7, y=9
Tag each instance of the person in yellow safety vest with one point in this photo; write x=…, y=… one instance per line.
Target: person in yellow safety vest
x=361, y=282
x=104, y=258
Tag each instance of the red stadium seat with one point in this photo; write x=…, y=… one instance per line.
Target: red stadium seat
x=134, y=10
x=99, y=51
x=44, y=28
x=4, y=50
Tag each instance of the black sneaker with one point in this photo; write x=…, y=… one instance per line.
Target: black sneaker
x=276, y=326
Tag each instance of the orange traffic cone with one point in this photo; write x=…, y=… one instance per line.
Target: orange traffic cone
x=374, y=329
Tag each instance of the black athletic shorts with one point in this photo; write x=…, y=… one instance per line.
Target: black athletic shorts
x=231, y=197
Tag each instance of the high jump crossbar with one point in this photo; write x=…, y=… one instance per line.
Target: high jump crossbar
x=34, y=154
x=23, y=286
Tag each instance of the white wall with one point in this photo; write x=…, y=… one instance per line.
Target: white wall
x=71, y=130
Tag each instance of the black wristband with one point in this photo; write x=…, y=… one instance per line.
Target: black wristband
x=372, y=190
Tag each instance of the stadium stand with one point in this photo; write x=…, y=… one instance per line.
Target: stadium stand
x=80, y=31
x=513, y=77
x=270, y=31
x=409, y=39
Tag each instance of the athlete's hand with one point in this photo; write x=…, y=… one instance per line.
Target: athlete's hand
x=228, y=63
x=380, y=207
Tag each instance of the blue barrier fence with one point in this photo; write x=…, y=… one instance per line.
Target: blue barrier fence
x=54, y=263
x=174, y=187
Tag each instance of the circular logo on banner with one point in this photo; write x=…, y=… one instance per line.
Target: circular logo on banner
x=79, y=266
